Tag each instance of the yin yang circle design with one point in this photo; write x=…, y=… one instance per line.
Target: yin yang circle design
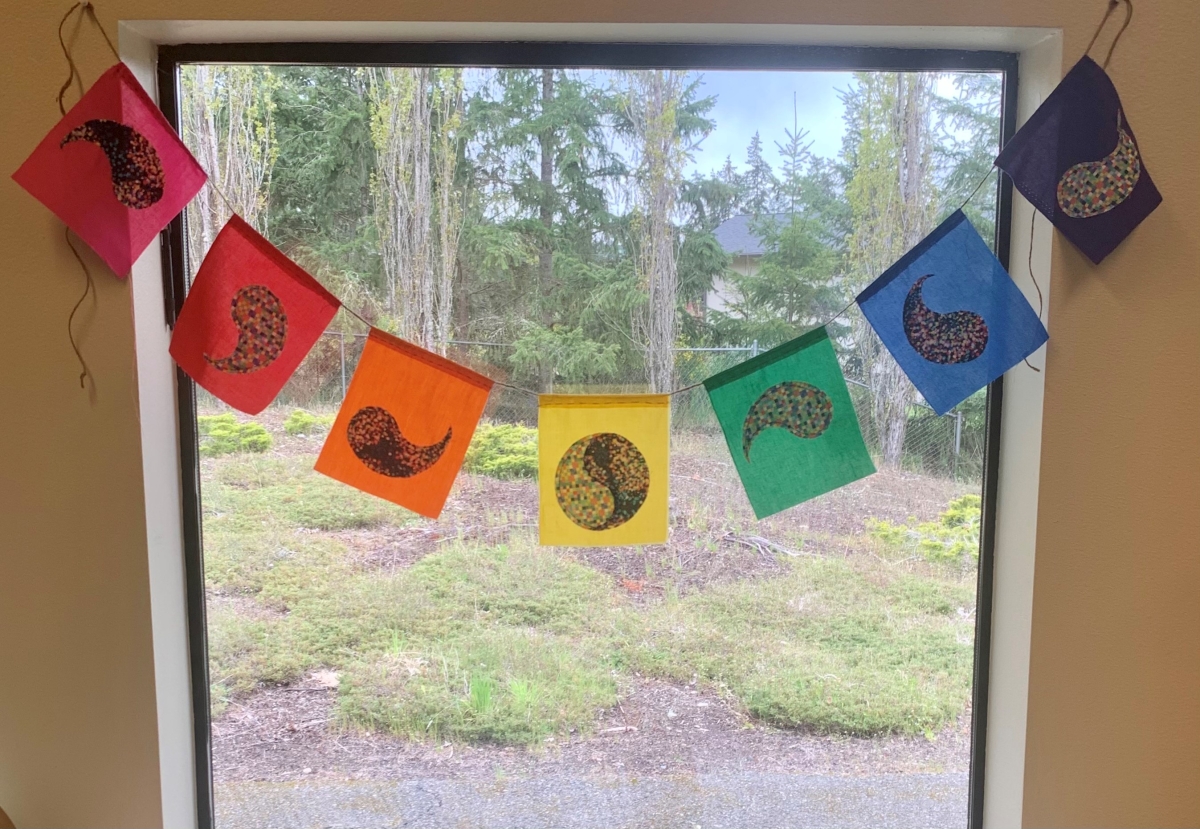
x=137, y=172
x=800, y=408
x=954, y=337
x=376, y=440
x=602, y=481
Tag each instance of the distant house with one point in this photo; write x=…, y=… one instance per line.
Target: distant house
x=737, y=238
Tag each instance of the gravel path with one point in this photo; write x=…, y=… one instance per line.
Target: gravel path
x=706, y=801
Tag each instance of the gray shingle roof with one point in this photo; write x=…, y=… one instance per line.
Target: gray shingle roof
x=737, y=239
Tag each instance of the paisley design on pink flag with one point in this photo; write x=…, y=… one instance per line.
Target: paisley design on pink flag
x=137, y=174
x=118, y=194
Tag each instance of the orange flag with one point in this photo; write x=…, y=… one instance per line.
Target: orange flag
x=405, y=425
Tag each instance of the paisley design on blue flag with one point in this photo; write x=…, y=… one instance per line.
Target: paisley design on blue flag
x=954, y=337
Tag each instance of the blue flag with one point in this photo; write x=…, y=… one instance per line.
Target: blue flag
x=951, y=316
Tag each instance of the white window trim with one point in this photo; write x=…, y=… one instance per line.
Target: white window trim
x=1040, y=52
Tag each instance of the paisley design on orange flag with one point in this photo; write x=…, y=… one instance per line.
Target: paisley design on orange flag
x=251, y=316
x=405, y=425
x=382, y=447
x=118, y=194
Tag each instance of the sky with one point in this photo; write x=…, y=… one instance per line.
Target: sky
x=763, y=101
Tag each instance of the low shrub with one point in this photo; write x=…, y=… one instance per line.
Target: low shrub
x=503, y=450
x=223, y=435
x=952, y=537
x=301, y=422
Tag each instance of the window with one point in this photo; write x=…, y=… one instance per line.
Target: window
x=446, y=670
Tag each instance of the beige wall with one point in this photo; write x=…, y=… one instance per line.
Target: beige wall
x=1114, y=710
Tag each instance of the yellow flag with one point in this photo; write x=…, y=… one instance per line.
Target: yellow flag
x=602, y=468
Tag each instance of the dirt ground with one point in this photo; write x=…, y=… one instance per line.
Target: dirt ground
x=658, y=728
x=284, y=734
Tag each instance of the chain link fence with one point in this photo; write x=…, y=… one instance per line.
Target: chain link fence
x=951, y=445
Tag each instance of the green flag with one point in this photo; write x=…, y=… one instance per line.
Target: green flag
x=789, y=423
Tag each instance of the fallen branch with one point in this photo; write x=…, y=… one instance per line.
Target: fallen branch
x=765, y=545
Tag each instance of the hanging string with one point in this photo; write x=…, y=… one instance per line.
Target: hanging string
x=91, y=12
x=74, y=76
x=85, y=373
x=1112, y=7
x=1041, y=304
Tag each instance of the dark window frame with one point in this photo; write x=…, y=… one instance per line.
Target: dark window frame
x=571, y=55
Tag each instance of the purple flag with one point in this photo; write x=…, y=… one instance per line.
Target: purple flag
x=1078, y=162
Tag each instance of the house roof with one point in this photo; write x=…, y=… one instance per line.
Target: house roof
x=736, y=237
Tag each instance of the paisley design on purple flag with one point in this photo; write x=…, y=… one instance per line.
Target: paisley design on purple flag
x=801, y=408
x=1094, y=187
x=955, y=337
x=377, y=441
x=262, y=331
x=137, y=173
x=602, y=481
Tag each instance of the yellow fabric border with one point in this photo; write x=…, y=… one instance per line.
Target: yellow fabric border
x=602, y=400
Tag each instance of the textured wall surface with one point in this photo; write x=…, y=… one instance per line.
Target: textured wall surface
x=1114, y=709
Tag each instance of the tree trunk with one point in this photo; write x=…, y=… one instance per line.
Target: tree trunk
x=227, y=123
x=545, y=271
x=654, y=100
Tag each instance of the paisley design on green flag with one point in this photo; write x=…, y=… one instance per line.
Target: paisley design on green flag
x=1094, y=187
x=601, y=481
x=801, y=408
x=789, y=423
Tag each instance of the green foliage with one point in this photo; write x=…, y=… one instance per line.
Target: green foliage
x=223, y=435
x=301, y=422
x=953, y=537
x=503, y=450
x=254, y=493
x=835, y=647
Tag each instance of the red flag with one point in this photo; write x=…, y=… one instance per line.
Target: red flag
x=251, y=316
x=113, y=170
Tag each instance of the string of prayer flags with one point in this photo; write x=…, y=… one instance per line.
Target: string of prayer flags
x=251, y=317
x=113, y=170
x=403, y=430
x=951, y=315
x=1077, y=161
x=790, y=424
x=603, y=469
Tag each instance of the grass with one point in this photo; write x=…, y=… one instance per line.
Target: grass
x=835, y=647
x=253, y=492
x=512, y=643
